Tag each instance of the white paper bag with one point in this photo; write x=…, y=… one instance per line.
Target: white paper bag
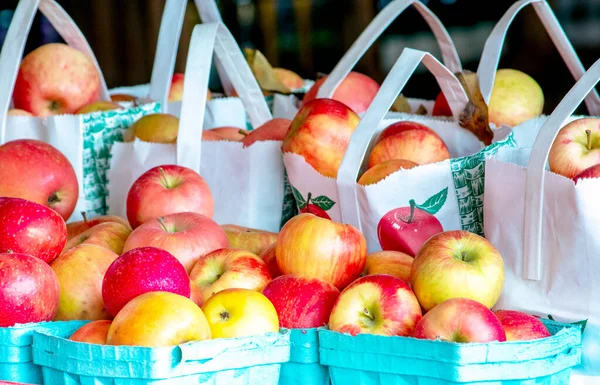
x=456, y=185
x=247, y=184
x=546, y=228
x=84, y=139
x=287, y=106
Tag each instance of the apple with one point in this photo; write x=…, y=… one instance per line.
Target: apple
x=288, y=78
x=29, y=228
x=312, y=206
x=28, y=290
x=76, y=228
x=56, y=79
x=376, y=304
x=406, y=229
x=80, y=272
x=18, y=112
x=357, y=91
x=156, y=128
x=187, y=236
x=270, y=259
x=394, y=263
x=515, y=98
x=472, y=268
x=176, y=90
x=229, y=268
x=140, y=271
x=274, y=129
x=313, y=247
x=409, y=141
x=94, y=332
x=165, y=190
x=168, y=319
x=122, y=98
x=460, y=320
x=576, y=148
x=253, y=240
x=196, y=294
x=520, y=326
x=301, y=302
x=210, y=136
x=441, y=106
x=382, y=170
x=111, y=235
x=100, y=105
x=588, y=173
x=232, y=134
x=38, y=172
x=234, y=313
x=320, y=132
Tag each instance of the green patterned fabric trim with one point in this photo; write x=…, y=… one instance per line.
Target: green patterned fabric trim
x=468, y=174
x=290, y=208
x=100, y=131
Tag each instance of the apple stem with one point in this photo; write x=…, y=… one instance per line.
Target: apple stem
x=412, y=210
x=368, y=314
x=164, y=176
x=85, y=220
x=589, y=139
x=242, y=132
x=463, y=255
x=162, y=223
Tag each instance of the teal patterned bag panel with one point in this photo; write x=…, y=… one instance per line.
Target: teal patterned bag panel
x=100, y=131
x=468, y=174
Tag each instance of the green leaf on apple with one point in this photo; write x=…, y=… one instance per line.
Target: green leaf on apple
x=435, y=203
x=323, y=202
x=299, y=198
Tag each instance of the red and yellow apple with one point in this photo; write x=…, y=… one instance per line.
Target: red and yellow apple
x=229, y=268
x=56, y=79
x=576, y=148
x=165, y=190
x=111, y=235
x=516, y=97
x=28, y=290
x=168, y=320
x=270, y=259
x=38, y=172
x=313, y=247
x=393, y=263
x=122, y=98
x=520, y=326
x=382, y=170
x=94, y=332
x=176, y=90
x=357, y=91
x=187, y=236
x=156, y=128
x=18, y=112
x=457, y=264
x=231, y=134
x=100, y=105
x=234, y=313
x=76, y=228
x=589, y=173
x=288, y=78
x=210, y=136
x=274, y=129
x=460, y=320
x=320, y=132
x=254, y=240
x=376, y=304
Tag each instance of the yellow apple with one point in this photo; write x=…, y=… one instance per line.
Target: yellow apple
x=516, y=97
x=253, y=240
x=156, y=128
x=158, y=319
x=111, y=235
x=76, y=228
x=389, y=262
x=100, y=105
x=18, y=112
x=240, y=313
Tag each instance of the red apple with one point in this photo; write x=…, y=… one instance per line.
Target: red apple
x=56, y=79
x=382, y=170
x=409, y=141
x=270, y=259
x=166, y=190
x=357, y=91
x=229, y=269
x=253, y=240
x=187, y=236
x=589, y=173
x=94, y=332
x=210, y=136
x=460, y=320
x=140, y=271
x=576, y=148
x=288, y=78
x=122, y=98
x=301, y=302
x=29, y=290
x=441, y=106
x=314, y=206
x=176, y=90
x=29, y=228
x=38, y=172
x=376, y=304
x=393, y=263
x=406, y=229
x=320, y=132
x=521, y=326
x=232, y=134
x=275, y=129
x=457, y=264
x=313, y=247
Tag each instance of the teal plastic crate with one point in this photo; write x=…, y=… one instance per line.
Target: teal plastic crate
x=235, y=361
x=379, y=360
x=16, y=357
x=304, y=367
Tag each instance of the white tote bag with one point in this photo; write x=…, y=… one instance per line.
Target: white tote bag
x=247, y=183
x=84, y=139
x=453, y=189
x=287, y=106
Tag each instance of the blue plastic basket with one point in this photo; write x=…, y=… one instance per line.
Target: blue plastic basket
x=304, y=367
x=235, y=361
x=16, y=358
x=379, y=360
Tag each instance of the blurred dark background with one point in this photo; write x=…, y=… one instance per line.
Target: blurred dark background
x=310, y=36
